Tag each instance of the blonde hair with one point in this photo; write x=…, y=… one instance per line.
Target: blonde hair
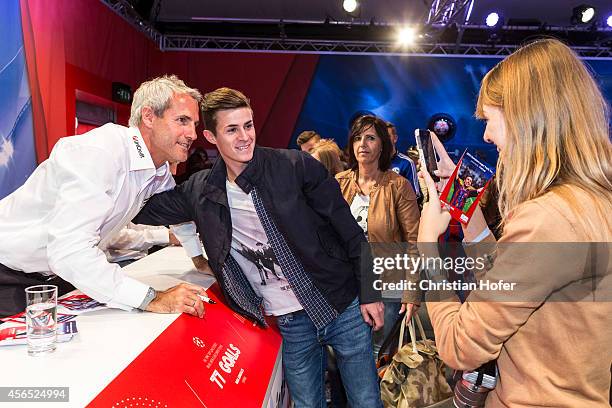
x=157, y=94
x=557, y=135
x=328, y=154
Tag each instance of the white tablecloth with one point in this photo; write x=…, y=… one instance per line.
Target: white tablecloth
x=107, y=340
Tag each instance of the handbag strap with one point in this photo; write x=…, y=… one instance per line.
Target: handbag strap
x=412, y=331
x=420, y=325
x=401, y=333
x=412, y=335
x=400, y=325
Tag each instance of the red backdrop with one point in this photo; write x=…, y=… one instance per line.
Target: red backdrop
x=82, y=45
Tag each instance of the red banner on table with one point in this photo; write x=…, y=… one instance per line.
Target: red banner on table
x=222, y=360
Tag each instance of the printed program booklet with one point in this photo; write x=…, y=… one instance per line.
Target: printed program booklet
x=465, y=187
x=13, y=329
x=78, y=303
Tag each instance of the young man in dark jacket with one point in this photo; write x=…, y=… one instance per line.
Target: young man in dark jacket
x=281, y=241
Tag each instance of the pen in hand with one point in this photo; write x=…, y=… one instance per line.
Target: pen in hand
x=206, y=299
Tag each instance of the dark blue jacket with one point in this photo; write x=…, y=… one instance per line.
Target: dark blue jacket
x=404, y=166
x=304, y=202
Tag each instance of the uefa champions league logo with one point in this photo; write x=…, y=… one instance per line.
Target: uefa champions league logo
x=198, y=342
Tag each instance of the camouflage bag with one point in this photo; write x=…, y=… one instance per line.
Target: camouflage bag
x=415, y=377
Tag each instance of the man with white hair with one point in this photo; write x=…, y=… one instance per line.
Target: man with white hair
x=55, y=227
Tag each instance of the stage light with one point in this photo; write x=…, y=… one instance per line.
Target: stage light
x=582, y=14
x=492, y=19
x=588, y=14
x=609, y=21
x=406, y=36
x=349, y=5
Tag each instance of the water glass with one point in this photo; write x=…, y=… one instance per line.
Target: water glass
x=41, y=319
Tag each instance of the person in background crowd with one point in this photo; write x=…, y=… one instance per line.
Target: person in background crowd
x=413, y=154
x=382, y=202
x=54, y=229
x=328, y=153
x=307, y=139
x=550, y=123
x=279, y=212
x=401, y=163
x=198, y=160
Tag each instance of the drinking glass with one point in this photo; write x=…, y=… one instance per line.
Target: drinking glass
x=41, y=319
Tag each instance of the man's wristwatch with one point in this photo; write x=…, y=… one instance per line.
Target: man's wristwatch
x=150, y=296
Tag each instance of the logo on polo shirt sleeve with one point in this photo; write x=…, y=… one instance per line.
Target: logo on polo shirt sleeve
x=138, y=146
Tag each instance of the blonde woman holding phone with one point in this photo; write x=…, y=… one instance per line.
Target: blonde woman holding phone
x=550, y=123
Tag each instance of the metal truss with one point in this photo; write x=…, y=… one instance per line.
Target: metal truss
x=446, y=11
x=195, y=43
x=126, y=11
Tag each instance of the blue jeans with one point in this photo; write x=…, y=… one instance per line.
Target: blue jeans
x=304, y=358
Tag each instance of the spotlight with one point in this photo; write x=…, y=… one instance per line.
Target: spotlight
x=582, y=14
x=349, y=5
x=588, y=14
x=406, y=36
x=492, y=19
x=609, y=21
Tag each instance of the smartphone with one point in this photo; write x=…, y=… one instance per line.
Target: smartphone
x=427, y=153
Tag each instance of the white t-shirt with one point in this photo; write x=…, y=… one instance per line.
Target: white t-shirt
x=255, y=256
x=359, y=209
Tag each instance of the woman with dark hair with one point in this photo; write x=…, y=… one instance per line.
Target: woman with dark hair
x=383, y=202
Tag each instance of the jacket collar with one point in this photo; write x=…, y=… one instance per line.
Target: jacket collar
x=251, y=174
x=214, y=187
x=215, y=184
